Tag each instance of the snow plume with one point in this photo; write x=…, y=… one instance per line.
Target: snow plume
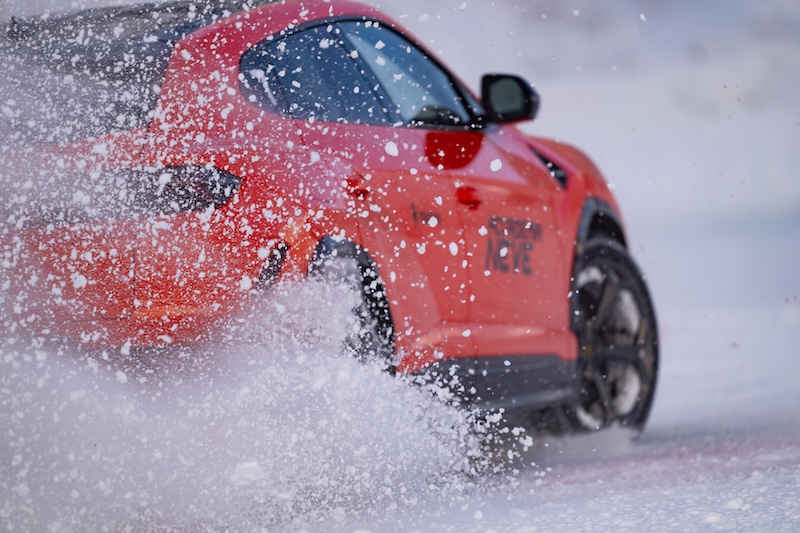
x=279, y=429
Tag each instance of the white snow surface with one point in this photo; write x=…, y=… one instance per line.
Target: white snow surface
x=692, y=110
x=279, y=428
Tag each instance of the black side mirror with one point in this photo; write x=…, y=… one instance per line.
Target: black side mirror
x=508, y=98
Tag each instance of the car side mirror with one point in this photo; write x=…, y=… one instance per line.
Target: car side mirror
x=508, y=98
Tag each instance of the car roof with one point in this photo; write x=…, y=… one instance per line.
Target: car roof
x=165, y=20
x=128, y=21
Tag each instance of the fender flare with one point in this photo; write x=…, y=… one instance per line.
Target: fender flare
x=599, y=217
x=374, y=291
x=338, y=247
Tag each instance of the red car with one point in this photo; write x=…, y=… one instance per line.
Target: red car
x=173, y=161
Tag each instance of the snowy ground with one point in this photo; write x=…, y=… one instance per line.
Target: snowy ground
x=692, y=111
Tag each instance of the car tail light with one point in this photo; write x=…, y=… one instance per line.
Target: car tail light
x=80, y=197
x=182, y=189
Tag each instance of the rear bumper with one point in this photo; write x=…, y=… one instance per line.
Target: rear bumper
x=513, y=383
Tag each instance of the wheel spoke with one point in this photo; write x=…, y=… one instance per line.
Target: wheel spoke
x=602, y=390
x=625, y=354
x=643, y=333
x=629, y=355
x=605, y=305
x=643, y=339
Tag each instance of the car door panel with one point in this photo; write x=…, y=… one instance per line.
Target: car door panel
x=517, y=268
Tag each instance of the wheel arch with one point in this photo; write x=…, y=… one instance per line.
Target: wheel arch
x=600, y=219
x=338, y=247
x=374, y=288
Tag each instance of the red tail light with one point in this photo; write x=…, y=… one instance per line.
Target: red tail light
x=72, y=198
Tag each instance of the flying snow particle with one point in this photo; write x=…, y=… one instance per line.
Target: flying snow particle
x=339, y=514
x=81, y=198
x=246, y=283
x=121, y=377
x=100, y=149
x=79, y=281
x=22, y=490
x=391, y=149
x=737, y=504
x=496, y=165
x=453, y=249
x=247, y=473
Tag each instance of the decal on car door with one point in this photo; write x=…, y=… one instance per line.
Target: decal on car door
x=509, y=245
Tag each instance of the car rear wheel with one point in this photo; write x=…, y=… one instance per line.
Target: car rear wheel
x=368, y=335
x=618, y=339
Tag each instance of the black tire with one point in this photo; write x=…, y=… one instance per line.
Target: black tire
x=615, y=323
x=370, y=335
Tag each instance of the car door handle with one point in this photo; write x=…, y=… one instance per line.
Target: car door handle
x=468, y=196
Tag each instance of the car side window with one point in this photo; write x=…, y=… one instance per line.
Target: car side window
x=421, y=92
x=310, y=75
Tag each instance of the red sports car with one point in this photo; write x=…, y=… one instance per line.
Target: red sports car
x=167, y=163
